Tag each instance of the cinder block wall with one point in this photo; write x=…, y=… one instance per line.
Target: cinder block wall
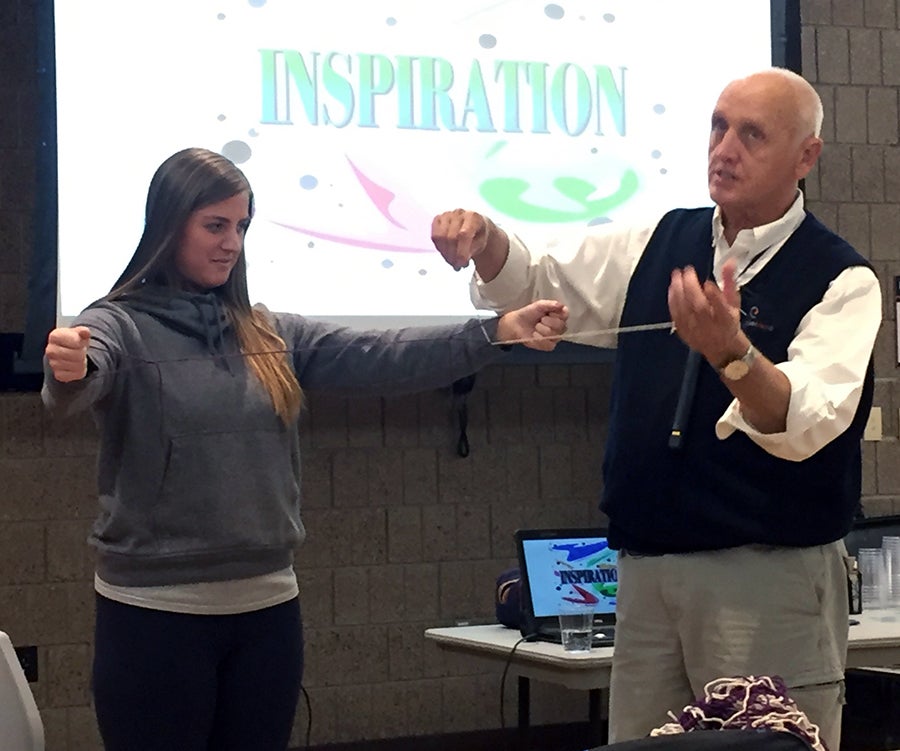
x=851, y=52
x=404, y=534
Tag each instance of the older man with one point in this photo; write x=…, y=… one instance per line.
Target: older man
x=729, y=484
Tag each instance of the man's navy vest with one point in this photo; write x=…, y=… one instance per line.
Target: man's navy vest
x=712, y=494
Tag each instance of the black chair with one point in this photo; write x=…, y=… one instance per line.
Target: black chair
x=714, y=740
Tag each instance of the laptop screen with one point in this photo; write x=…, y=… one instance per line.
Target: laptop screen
x=569, y=566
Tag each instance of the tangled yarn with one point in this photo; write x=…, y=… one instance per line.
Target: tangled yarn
x=745, y=703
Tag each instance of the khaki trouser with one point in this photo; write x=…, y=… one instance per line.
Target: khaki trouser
x=684, y=620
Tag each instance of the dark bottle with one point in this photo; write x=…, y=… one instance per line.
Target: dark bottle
x=854, y=586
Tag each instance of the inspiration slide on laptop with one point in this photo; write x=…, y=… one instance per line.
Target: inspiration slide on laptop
x=565, y=567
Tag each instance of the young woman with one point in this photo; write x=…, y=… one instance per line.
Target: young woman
x=198, y=640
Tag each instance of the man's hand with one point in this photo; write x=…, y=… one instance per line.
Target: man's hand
x=462, y=236
x=538, y=325
x=708, y=319
x=66, y=353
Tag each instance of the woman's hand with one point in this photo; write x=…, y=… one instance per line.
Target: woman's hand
x=66, y=353
x=538, y=325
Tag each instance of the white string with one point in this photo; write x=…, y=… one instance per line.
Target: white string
x=593, y=334
x=569, y=336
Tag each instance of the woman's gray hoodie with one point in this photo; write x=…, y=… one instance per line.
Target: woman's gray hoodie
x=199, y=479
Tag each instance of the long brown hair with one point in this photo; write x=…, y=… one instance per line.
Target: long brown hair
x=185, y=182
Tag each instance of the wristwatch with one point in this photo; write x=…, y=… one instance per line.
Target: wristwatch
x=734, y=370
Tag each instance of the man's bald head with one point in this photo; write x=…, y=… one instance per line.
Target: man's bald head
x=801, y=98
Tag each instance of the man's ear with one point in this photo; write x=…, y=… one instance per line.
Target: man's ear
x=810, y=150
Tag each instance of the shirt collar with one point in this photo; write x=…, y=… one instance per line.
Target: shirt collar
x=766, y=235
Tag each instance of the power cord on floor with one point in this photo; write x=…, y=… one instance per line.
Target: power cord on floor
x=308, y=715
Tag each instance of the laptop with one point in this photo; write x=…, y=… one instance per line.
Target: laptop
x=563, y=566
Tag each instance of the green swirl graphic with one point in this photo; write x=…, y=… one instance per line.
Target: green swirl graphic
x=505, y=195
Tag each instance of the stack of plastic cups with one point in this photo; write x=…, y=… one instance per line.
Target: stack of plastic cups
x=891, y=548
x=873, y=572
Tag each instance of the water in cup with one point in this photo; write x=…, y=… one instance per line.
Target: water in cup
x=576, y=629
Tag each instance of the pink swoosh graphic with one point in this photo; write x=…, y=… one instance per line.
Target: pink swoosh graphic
x=382, y=198
x=355, y=242
x=379, y=195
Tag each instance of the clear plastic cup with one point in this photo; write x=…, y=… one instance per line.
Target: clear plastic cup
x=873, y=571
x=576, y=629
x=890, y=546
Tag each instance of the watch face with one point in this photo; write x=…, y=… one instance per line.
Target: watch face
x=735, y=370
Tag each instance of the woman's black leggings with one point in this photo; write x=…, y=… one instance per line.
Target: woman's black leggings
x=165, y=681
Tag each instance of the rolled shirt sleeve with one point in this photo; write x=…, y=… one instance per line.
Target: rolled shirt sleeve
x=590, y=274
x=826, y=367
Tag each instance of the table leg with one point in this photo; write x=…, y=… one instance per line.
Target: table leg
x=599, y=729
x=524, y=711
